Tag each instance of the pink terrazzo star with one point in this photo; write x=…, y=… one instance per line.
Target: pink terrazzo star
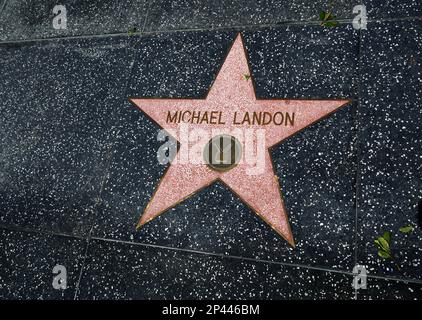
x=232, y=93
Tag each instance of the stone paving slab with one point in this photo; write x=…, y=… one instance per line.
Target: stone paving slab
x=393, y=9
x=390, y=182
x=57, y=101
x=193, y=14
x=33, y=19
x=111, y=269
x=316, y=167
x=28, y=260
x=383, y=289
x=187, y=14
x=121, y=271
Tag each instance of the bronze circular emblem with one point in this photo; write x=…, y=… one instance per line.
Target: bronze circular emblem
x=222, y=152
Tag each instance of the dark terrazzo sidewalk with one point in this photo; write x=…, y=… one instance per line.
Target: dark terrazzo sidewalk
x=78, y=162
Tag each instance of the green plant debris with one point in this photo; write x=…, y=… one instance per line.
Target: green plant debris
x=407, y=229
x=383, y=245
x=132, y=31
x=327, y=18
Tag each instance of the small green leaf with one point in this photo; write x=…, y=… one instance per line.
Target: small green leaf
x=384, y=244
x=387, y=237
x=384, y=254
x=131, y=31
x=327, y=16
x=378, y=245
x=327, y=19
x=406, y=229
x=247, y=77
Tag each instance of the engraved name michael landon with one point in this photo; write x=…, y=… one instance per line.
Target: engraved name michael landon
x=217, y=117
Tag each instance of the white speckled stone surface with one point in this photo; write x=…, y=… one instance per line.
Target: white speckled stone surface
x=78, y=161
x=32, y=19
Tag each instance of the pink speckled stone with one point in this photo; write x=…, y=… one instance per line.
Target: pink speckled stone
x=231, y=93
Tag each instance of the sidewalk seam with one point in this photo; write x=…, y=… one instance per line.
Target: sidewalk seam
x=209, y=29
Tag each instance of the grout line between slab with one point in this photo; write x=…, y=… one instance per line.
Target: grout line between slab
x=147, y=15
x=40, y=231
x=198, y=252
x=358, y=154
x=222, y=255
x=3, y=6
x=75, y=296
x=220, y=28
x=109, y=161
x=95, y=214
